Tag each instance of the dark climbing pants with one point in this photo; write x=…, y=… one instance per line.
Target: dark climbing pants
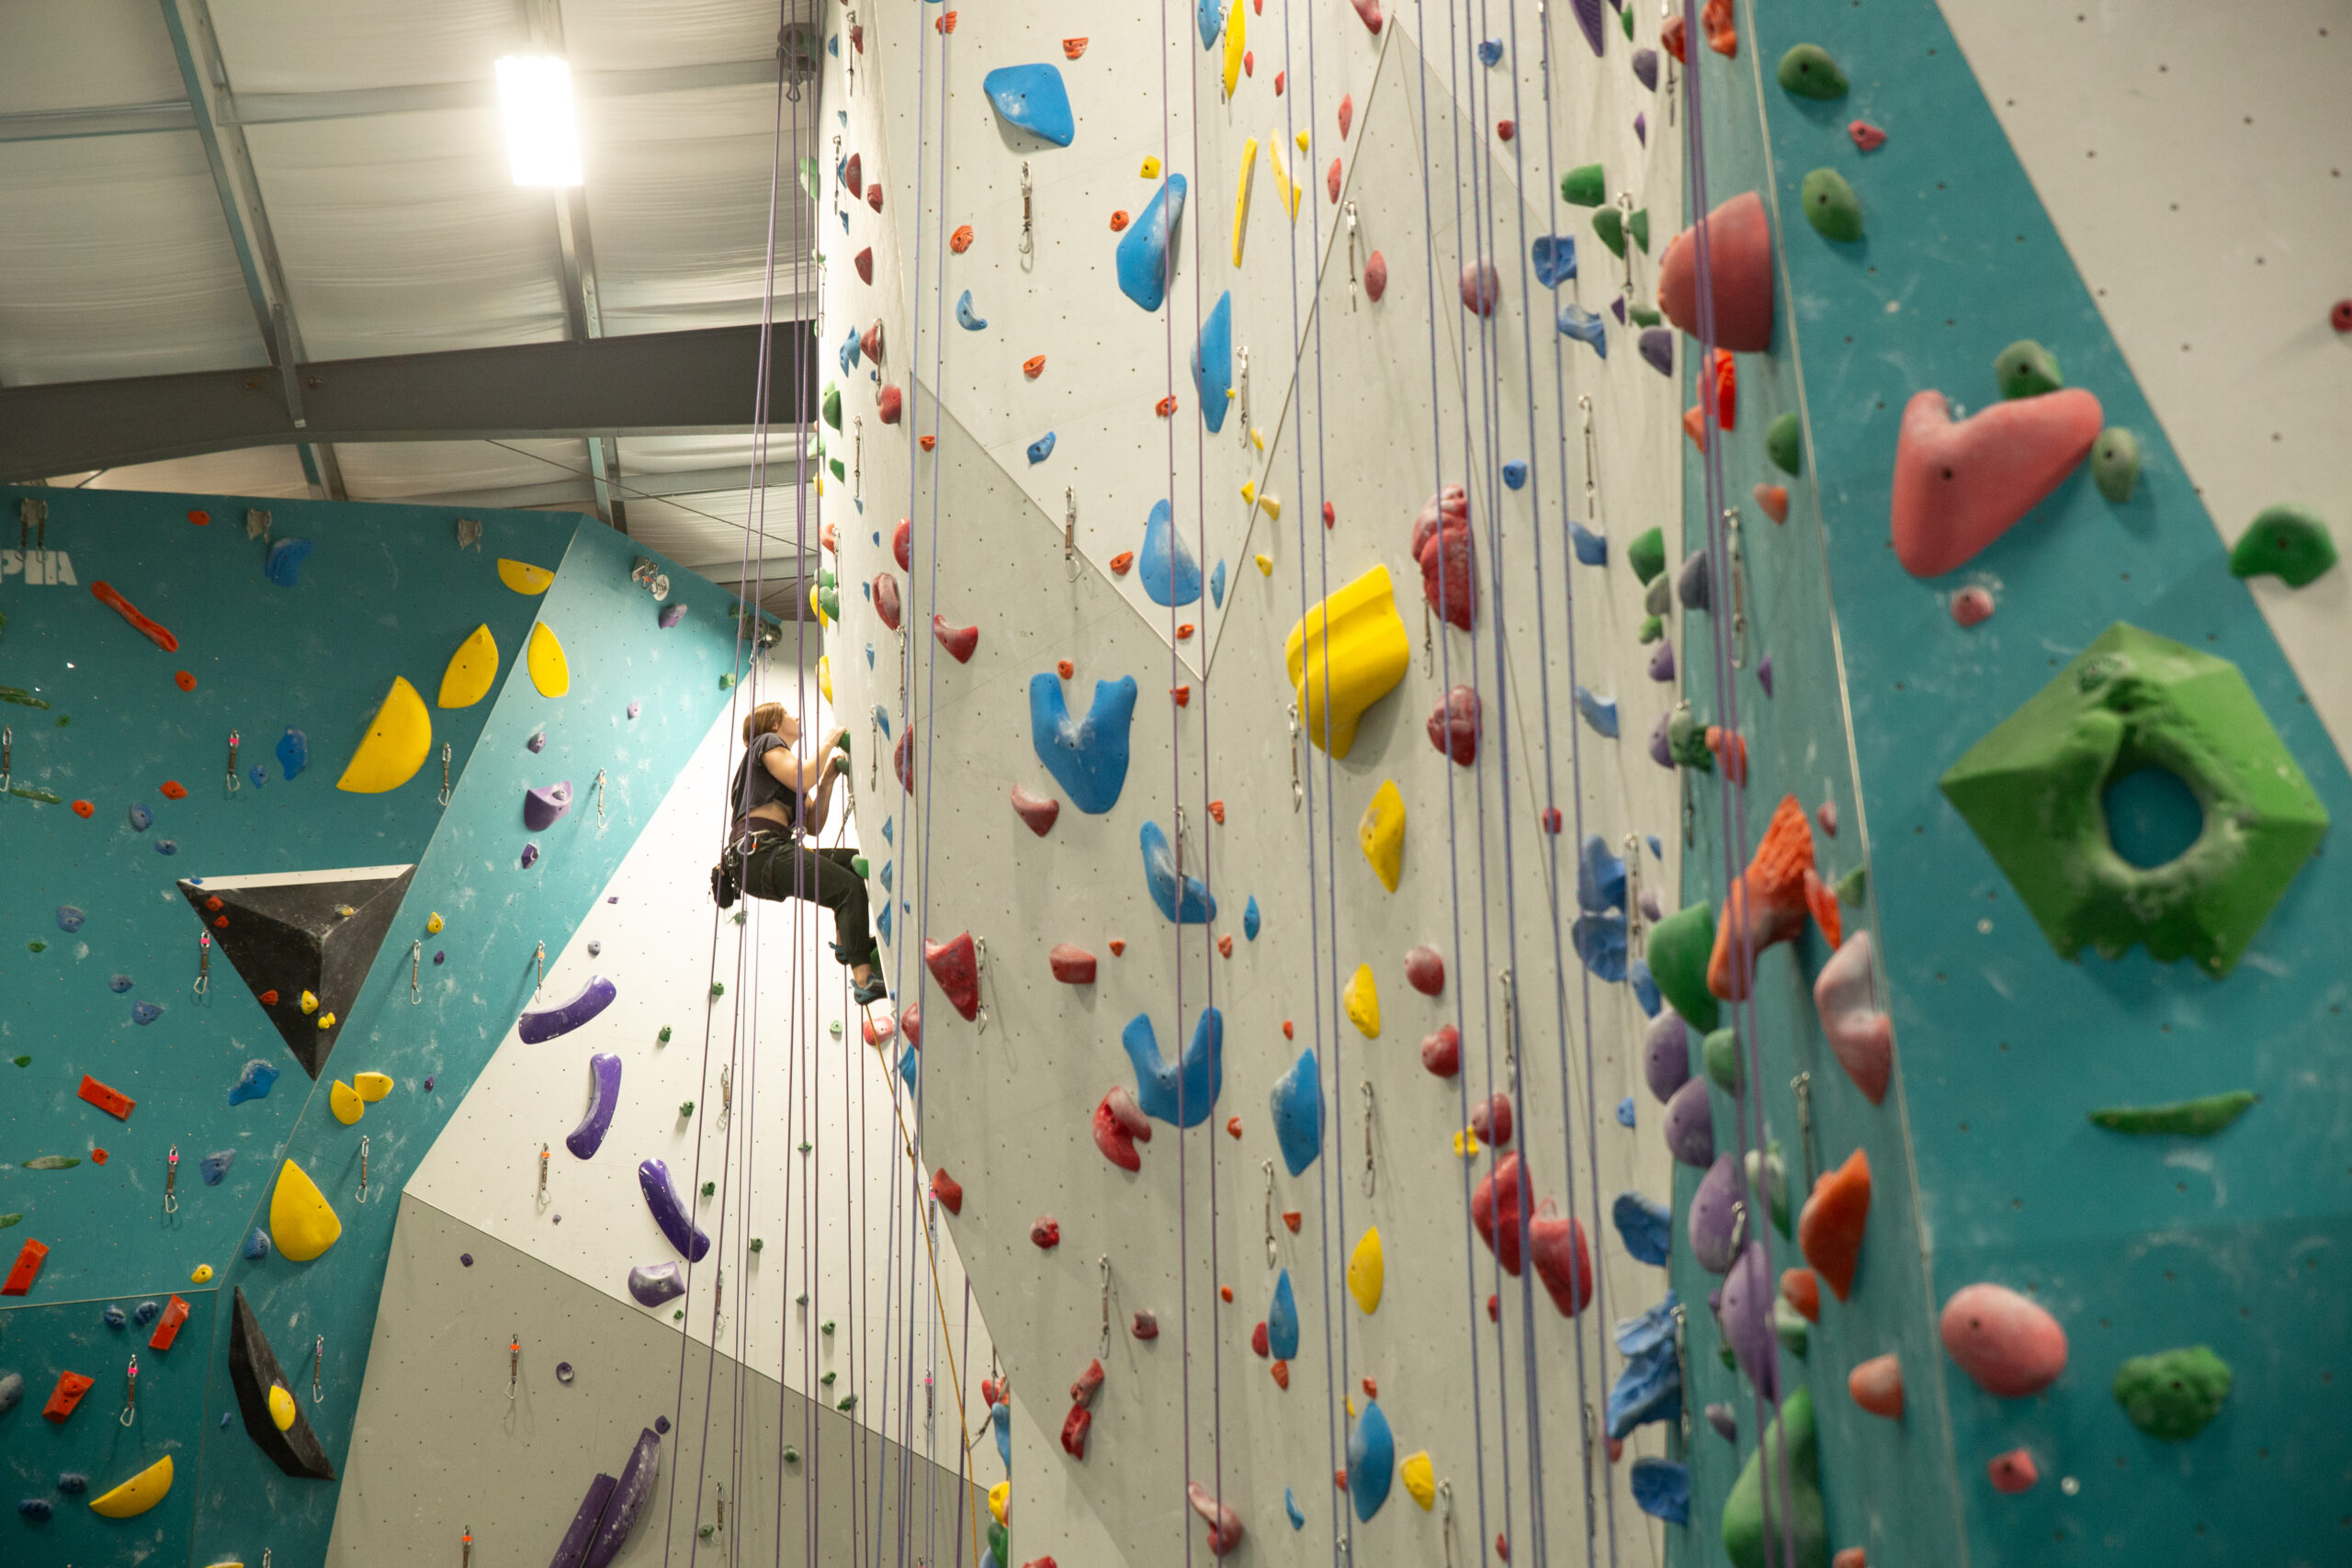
x=778, y=867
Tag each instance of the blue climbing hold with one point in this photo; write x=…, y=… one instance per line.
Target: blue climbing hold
x=167, y=846
x=1041, y=448
x=1290, y=1506
x=1164, y=566
x=73, y=1483
x=1281, y=1320
x=120, y=984
x=887, y=836
x=869, y=656
x=1554, y=256
x=37, y=1509
x=143, y=1314
x=1656, y=848
x=255, y=1082
x=909, y=1061
x=1585, y=327
x=69, y=918
x=964, y=316
x=1600, y=942
x=116, y=1318
x=1088, y=757
x=1662, y=1489
x=1144, y=250
x=293, y=755
x=1000, y=1417
x=1645, y=984
x=1650, y=1388
x=1185, y=901
x=1372, y=1461
x=213, y=1167
x=1645, y=1227
x=140, y=817
x=882, y=719
x=257, y=1245
x=1249, y=922
x=146, y=1012
x=1490, y=52
x=259, y=774
x=1032, y=98
x=849, y=354
x=1184, y=1093
x=1601, y=876
x=1599, y=712
x=1515, y=474
x=1591, y=548
x=1625, y=1111
x=1213, y=363
x=1216, y=585
x=882, y=922
x=1656, y=346
x=1299, y=1112
x=284, y=565
x=1210, y=16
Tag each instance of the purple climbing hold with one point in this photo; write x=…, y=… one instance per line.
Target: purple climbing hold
x=1666, y=1055
x=530, y=856
x=542, y=808
x=539, y=740
x=653, y=1284
x=1692, y=584
x=546, y=1023
x=1661, y=748
x=1588, y=21
x=635, y=708
x=1646, y=68
x=653, y=1179
x=1726, y=1425
x=1764, y=674
x=1718, y=1222
x=629, y=1493
x=467, y=1258
x=1642, y=128
x=120, y=984
x=1690, y=1125
x=437, y=956
x=574, y=1548
x=604, y=1092
x=146, y=1012
x=672, y=615
x=1747, y=1316
x=1658, y=349
x=1662, y=662
x=661, y=1424
x=69, y=918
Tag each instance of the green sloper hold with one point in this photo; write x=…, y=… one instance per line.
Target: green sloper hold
x=1771, y=1175
x=1584, y=186
x=1681, y=945
x=2174, y=1394
x=2287, y=542
x=1640, y=228
x=1785, y=446
x=1830, y=206
x=2031, y=791
x=2115, y=464
x=1610, y=225
x=2189, y=1118
x=1854, y=887
x=1722, y=1051
x=1646, y=554
x=1809, y=72
x=2026, y=369
x=1652, y=628
x=840, y=470
x=832, y=405
x=1753, y=1526
x=1789, y=1326
x=1686, y=742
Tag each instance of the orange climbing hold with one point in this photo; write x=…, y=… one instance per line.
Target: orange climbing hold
x=168, y=1328
x=184, y=681
x=70, y=1387
x=113, y=1101
x=1773, y=500
x=1233, y=1126
x=1292, y=1217
x=105, y=595
x=1670, y=37
x=1118, y=946
x=1829, y=1229
x=27, y=1268
x=1876, y=1385
x=83, y=808
x=1216, y=812
x=961, y=239
x=1822, y=900
x=1165, y=406
x=1731, y=753
x=1118, y=220
x=948, y=1190
x=1065, y=669
x=1281, y=1370
x=946, y=24
x=199, y=518
x=172, y=789
x=1767, y=905
x=1185, y=632
x=1801, y=1288
x=1225, y=945
x=1034, y=366
x=1072, y=48
x=1723, y=35
x=1183, y=695
x=1120, y=562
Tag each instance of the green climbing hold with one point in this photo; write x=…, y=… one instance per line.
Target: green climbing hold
x=2189, y=1118
x=37, y=947
x=841, y=470
x=710, y=1189
x=2033, y=790
x=1652, y=628
x=2026, y=369
x=50, y=797
x=1643, y=318
x=809, y=177
x=1854, y=887
x=1789, y=1326
x=860, y=865
x=2174, y=1394
x=2115, y=464
x=1640, y=224
x=718, y=988
x=1754, y=1527
x=1611, y=224
x=21, y=697
x=1646, y=554
x=828, y=1379
x=8, y=1220
x=1784, y=445
x=849, y=1403
x=757, y=1244
x=1686, y=742
x=1001, y=1542
x=1681, y=945
x=1831, y=206
x=2286, y=542
x=832, y=405
x=826, y=1326
x=1626, y=18
x=1722, y=1050
x=1809, y=72
x=665, y=1036
x=1584, y=186
x=22, y=1061
x=1771, y=1175
x=791, y=1454
x=52, y=1162
x=685, y=1109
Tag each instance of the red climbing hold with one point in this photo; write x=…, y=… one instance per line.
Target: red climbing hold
x=874, y=196
x=1739, y=255
x=1183, y=695
x=167, y=1328
x=1801, y=1288
x=1773, y=501
x=1146, y=1325
x=1225, y=945
x=1971, y=606
x=173, y=789
x=1225, y=1294
x=885, y=599
x=1233, y=1128
x=869, y=341
x=2010, y=1345
x=902, y=545
x=1375, y=276
x=1722, y=36
x=864, y=261
x=1034, y=366
x=1370, y=11
x=829, y=538
x=961, y=239
x=1065, y=669
x=1331, y=515
x=1278, y=83
x=955, y=964
x=201, y=519
x=1425, y=970
x=958, y=641
x=890, y=403
x=184, y=681
x=85, y=809
x=1481, y=287
x=1089, y=1384
x=1331, y=180
x=948, y=1190
x=1490, y=1119
x=1670, y=37
x=1118, y=946
x=1868, y=137
x=1454, y=725
x=1767, y=904
x=1072, y=48
x=1501, y=1196
x=1258, y=1342
x=1292, y=1217
x=114, y=1102
x=1225, y=1525
x=1731, y=753
x=1851, y=1557
x=1829, y=1227
x=1118, y=220
x=874, y=1034
x=2340, y=317
x=1280, y=1371
x=1506, y=130
x=29, y=1258
x=2013, y=1471
x=1216, y=812
x=903, y=761
x=1563, y=1260
x=1347, y=114
x=1120, y=562
x=1165, y=406
x=1441, y=1052
x=66, y=1395
x=1876, y=1385
x=1038, y=810
x=1045, y=1233
x=1075, y=1425
x=926, y=441
x=1441, y=543
x=1072, y=964
x=1960, y=485
x=853, y=174
x=1822, y=900
x=1250, y=64
x=105, y=595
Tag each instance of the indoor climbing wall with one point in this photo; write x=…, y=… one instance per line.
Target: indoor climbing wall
x=1267, y=875
x=2008, y=958
x=283, y=894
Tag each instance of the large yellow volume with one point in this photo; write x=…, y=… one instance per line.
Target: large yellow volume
x=550, y=672
x=1236, y=40
x=301, y=1223
x=397, y=744
x=1352, y=643
x=138, y=1494
x=1241, y=191
x=472, y=670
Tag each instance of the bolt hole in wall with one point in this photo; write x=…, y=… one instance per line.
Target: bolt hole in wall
x=2153, y=816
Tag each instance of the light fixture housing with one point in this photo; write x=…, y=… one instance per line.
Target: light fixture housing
x=542, y=132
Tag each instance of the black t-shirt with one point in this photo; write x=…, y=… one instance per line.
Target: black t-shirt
x=755, y=786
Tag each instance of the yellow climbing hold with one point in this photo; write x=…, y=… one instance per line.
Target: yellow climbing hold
x=1302, y=142
x=1257, y=437
x=1382, y=833
x=1249, y=167
x=138, y=1494
x=1150, y=168
x=396, y=744
x=345, y=1102
x=326, y=1021
x=371, y=1086
x=825, y=677
x=1366, y=1271
x=1265, y=564
x=1282, y=184
x=282, y=1409
x=300, y=1222
x=1466, y=1142
x=472, y=670
x=1420, y=1479
x=433, y=924
x=1236, y=39
x=202, y=1274
x=550, y=672
x=1362, y=999
x=309, y=1003
x=1272, y=505
x=817, y=604
x=999, y=1499
x=525, y=578
x=1348, y=652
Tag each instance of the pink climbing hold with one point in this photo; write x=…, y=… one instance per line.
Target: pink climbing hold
x=1072, y=964
x=902, y=545
x=1370, y=11
x=1119, y=1124
x=1441, y=543
x=910, y=1023
x=955, y=964
x=1868, y=137
x=1375, y=276
x=1347, y=114
x=1971, y=606
x=875, y=1033
x=1039, y=811
x=1331, y=180
x=1958, y=487
x=1454, y=725
x=1876, y=1385
x=1425, y=970
x=1562, y=1259
x=2012, y=1346
x=1859, y=1032
x=2012, y=1472
x=890, y=403
x=1490, y=1119
x=1225, y=1525
x=958, y=641
x=1500, y=1197
x=1441, y=1052
x=885, y=599
x=1739, y=255
x=1046, y=1233
x=1481, y=287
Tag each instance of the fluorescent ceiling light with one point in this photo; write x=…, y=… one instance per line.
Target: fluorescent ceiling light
x=542, y=136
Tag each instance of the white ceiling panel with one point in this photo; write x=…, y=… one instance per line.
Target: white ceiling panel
x=391, y=470
x=253, y=470
x=313, y=46
x=88, y=54
x=640, y=35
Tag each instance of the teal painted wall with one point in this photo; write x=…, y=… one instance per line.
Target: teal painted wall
x=388, y=593
x=2002, y=1046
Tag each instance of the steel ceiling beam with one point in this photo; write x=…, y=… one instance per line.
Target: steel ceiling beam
x=681, y=383
x=574, y=489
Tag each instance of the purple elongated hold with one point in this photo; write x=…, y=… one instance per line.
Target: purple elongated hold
x=1588, y=21
x=1764, y=674
x=543, y=807
x=629, y=1493
x=1657, y=348
x=1642, y=128
x=1666, y=1053
x=1693, y=584
x=1746, y=1313
x=653, y=1178
x=1662, y=660
x=1661, y=748
x=1715, y=1224
x=573, y=1547
x=546, y=1023
x=1691, y=1126
x=671, y=615
x=653, y=1284
x=604, y=1092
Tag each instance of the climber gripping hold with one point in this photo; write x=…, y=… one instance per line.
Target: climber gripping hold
x=780, y=798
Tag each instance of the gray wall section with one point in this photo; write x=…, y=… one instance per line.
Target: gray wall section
x=439, y=1450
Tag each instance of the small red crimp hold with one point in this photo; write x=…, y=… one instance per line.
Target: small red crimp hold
x=948, y=1190
x=1046, y=1233
x=83, y=808
x=269, y=998
x=1040, y=811
x=105, y=594
x=1089, y=1384
x=955, y=964
x=1120, y=562
x=114, y=1102
x=1072, y=964
x=172, y=789
x=184, y=681
x=28, y=1261
x=1225, y=945
x=66, y=1395
x=1075, y=1425
x=167, y=1328
x=1293, y=1218
x=199, y=518
x=1146, y=1325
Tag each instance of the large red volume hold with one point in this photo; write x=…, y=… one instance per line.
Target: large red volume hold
x=1075, y=1425
x=1039, y=811
x=27, y=1268
x=1739, y=255
x=1563, y=1260
x=1500, y=1198
x=1119, y=1124
x=955, y=964
x=167, y=1328
x=1441, y=543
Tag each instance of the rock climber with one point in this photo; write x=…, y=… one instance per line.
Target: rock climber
x=777, y=801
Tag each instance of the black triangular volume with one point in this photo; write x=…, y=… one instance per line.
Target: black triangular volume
x=253, y=1369
x=317, y=933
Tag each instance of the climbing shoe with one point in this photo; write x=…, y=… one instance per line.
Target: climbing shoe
x=872, y=991
x=726, y=880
